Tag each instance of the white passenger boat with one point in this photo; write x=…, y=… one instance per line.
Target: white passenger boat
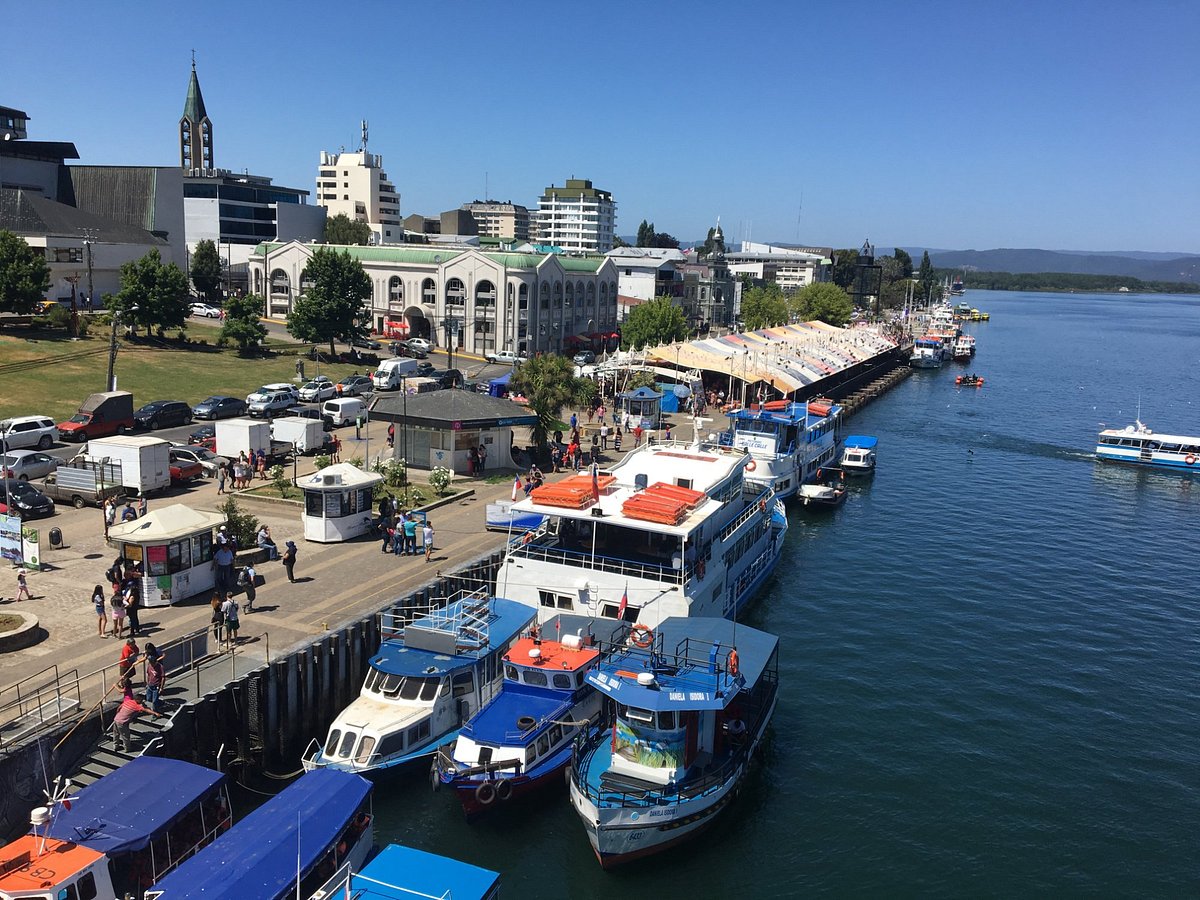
x=927, y=353
x=674, y=529
x=858, y=455
x=1138, y=445
x=788, y=441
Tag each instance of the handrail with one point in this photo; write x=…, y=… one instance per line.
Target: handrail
x=651, y=571
x=760, y=504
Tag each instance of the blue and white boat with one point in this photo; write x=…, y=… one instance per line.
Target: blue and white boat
x=521, y=741
x=400, y=873
x=858, y=455
x=289, y=847
x=429, y=677
x=1138, y=445
x=687, y=708
x=927, y=353
x=787, y=441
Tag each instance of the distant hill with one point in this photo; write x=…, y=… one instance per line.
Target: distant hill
x=1181, y=268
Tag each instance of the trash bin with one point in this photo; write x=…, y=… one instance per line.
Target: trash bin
x=56, y=538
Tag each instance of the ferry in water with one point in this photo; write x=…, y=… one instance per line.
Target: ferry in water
x=687, y=706
x=788, y=441
x=429, y=677
x=1138, y=445
x=673, y=529
x=928, y=353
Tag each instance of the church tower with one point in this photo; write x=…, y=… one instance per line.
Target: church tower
x=195, y=129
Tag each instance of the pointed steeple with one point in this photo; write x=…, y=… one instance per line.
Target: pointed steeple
x=193, y=106
x=195, y=129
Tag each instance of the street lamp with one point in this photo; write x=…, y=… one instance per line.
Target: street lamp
x=112, y=347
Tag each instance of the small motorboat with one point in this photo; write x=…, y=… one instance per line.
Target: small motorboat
x=828, y=490
x=971, y=380
x=858, y=455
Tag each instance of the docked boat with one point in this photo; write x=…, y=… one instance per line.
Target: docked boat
x=927, y=353
x=1138, y=445
x=957, y=288
x=287, y=848
x=829, y=490
x=499, y=516
x=964, y=347
x=858, y=455
x=673, y=529
x=118, y=835
x=429, y=676
x=787, y=441
x=970, y=380
x=399, y=872
x=962, y=311
x=521, y=740
x=687, y=706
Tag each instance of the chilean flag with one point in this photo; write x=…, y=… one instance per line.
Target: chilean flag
x=624, y=603
x=516, y=487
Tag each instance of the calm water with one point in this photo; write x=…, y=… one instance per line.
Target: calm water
x=990, y=655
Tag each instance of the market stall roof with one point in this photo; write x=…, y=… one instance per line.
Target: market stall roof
x=351, y=476
x=167, y=524
x=452, y=409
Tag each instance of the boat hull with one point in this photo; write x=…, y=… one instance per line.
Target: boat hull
x=1165, y=462
x=523, y=787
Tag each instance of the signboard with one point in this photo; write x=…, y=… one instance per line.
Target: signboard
x=10, y=538
x=755, y=443
x=31, y=548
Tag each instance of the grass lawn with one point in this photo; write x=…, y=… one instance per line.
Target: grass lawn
x=81, y=367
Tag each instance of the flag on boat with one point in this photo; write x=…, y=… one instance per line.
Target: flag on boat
x=595, y=481
x=624, y=603
x=516, y=486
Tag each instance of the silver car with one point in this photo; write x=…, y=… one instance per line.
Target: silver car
x=192, y=453
x=26, y=464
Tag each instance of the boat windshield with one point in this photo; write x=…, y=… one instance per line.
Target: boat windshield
x=402, y=687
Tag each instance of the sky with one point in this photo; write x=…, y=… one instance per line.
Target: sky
x=954, y=125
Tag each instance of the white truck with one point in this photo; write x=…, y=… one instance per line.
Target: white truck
x=235, y=436
x=145, y=461
x=391, y=372
x=306, y=435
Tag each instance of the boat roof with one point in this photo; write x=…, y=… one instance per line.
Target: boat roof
x=452, y=638
x=26, y=866
x=686, y=675
x=795, y=413
x=257, y=859
x=1130, y=431
x=496, y=723
x=122, y=811
x=552, y=655
x=406, y=872
x=861, y=442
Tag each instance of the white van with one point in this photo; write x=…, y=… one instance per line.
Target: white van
x=28, y=433
x=392, y=372
x=343, y=411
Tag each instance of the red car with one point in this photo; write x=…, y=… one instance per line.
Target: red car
x=184, y=470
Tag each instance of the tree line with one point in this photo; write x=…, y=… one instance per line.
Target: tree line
x=1060, y=282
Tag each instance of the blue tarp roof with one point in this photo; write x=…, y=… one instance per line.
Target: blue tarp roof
x=417, y=873
x=257, y=858
x=122, y=811
x=502, y=380
x=861, y=441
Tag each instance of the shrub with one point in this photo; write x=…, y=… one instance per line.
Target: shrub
x=439, y=479
x=279, y=478
x=394, y=471
x=59, y=317
x=243, y=526
x=322, y=461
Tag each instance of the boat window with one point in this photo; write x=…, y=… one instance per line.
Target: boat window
x=347, y=744
x=87, y=886
x=608, y=610
x=391, y=744
x=445, y=691
x=666, y=721
x=684, y=483
x=365, y=746
x=530, y=755
x=429, y=689
x=565, y=602
x=555, y=735
x=543, y=744
x=639, y=715
x=562, y=680
x=579, y=679
x=68, y=893
x=372, y=678
x=419, y=732
x=413, y=688
x=510, y=672
x=536, y=678
x=464, y=683
x=389, y=685
x=335, y=735
x=546, y=598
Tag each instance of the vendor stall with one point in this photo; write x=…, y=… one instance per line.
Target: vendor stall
x=337, y=503
x=644, y=406
x=174, y=547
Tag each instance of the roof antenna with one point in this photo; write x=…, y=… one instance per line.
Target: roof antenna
x=364, y=136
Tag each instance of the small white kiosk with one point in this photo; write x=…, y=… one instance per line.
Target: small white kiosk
x=175, y=547
x=337, y=503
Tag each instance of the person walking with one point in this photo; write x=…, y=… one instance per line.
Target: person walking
x=126, y=713
x=23, y=586
x=289, y=560
x=110, y=514
x=217, y=618
x=229, y=609
x=617, y=441
x=129, y=657
x=118, y=612
x=220, y=480
x=101, y=606
x=427, y=537
x=248, y=579
x=143, y=505
x=603, y=435
x=156, y=676
x=337, y=449
x=574, y=421
x=260, y=464
x=637, y=435
x=391, y=435
x=132, y=605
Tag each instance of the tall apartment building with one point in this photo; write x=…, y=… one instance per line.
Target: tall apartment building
x=576, y=217
x=500, y=220
x=356, y=185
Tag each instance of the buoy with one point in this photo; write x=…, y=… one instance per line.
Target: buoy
x=641, y=636
x=751, y=466
x=1190, y=459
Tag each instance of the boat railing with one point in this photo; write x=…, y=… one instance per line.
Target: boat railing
x=531, y=549
x=761, y=502
x=465, y=612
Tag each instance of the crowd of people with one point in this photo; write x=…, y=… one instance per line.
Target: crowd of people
x=405, y=533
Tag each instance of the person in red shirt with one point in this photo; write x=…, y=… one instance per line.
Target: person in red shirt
x=126, y=713
x=129, y=656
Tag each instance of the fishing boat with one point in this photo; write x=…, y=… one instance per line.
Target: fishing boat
x=787, y=440
x=399, y=872
x=686, y=708
x=521, y=740
x=971, y=380
x=927, y=353
x=858, y=455
x=828, y=491
x=430, y=675
x=962, y=311
x=118, y=835
x=287, y=848
x=673, y=529
x=1138, y=445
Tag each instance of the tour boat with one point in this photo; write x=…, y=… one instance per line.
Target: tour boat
x=1138, y=445
x=521, y=740
x=118, y=835
x=429, y=676
x=829, y=490
x=287, y=848
x=673, y=529
x=858, y=455
x=927, y=353
x=964, y=347
x=787, y=441
x=686, y=708
x=971, y=380
x=399, y=872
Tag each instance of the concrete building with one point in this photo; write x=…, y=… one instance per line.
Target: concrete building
x=789, y=267
x=30, y=165
x=648, y=272
x=143, y=197
x=500, y=220
x=355, y=185
x=463, y=297
x=576, y=217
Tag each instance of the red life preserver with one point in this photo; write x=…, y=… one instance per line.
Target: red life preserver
x=733, y=664
x=751, y=466
x=1190, y=459
x=641, y=636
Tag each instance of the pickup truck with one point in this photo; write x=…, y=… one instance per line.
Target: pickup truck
x=184, y=470
x=80, y=492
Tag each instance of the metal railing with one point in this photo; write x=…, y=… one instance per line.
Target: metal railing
x=597, y=562
x=760, y=504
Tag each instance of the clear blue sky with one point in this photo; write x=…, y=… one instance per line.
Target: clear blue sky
x=970, y=124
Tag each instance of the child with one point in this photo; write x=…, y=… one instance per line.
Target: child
x=22, y=586
x=101, y=613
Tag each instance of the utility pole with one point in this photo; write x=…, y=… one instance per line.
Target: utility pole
x=74, y=280
x=89, y=238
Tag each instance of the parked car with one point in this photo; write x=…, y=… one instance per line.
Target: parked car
x=184, y=470
x=308, y=412
x=25, y=500
x=419, y=343
x=27, y=432
x=450, y=378
x=275, y=388
x=366, y=344
x=276, y=403
x=425, y=369
x=163, y=414
x=202, y=434
x=219, y=408
x=584, y=358
x=317, y=391
x=202, y=456
x=353, y=386
x=203, y=309
x=504, y=357
x=26, y=464
x=417, y=348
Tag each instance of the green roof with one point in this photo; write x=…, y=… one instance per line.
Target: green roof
x=434, y=257
x=193, y=106
x=582, y=263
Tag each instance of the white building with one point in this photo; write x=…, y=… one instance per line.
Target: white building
x=463, y=297
x=576, y=217
x=648, y=272
x=788, y=267
x=354, y=184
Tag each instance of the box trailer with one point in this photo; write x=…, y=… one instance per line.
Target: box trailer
x=236, y=436
x=306, y=435
x=145, y=461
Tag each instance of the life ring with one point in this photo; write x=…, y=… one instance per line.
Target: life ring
x=751, y=466
x=734, y=665
x=762, y=505
x=527, y=537
x=526, y=722
x=503, y=789
x=820, y=472
x=1190, y=459
x=485, y=793
x=641, y=636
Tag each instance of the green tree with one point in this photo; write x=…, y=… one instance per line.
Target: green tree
x=645, y=234
x=206, y=271
x=925, y=278
x=332, y=306
x=549, y=384
x=664, y=241
x=657, y=321
x=152, y=295
x=341, y=229
x=823, y=301
x=24, y=275
x=619, y=242
x=845, y=268
x=242, y=323
x=764, y=307
x=905, y=260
